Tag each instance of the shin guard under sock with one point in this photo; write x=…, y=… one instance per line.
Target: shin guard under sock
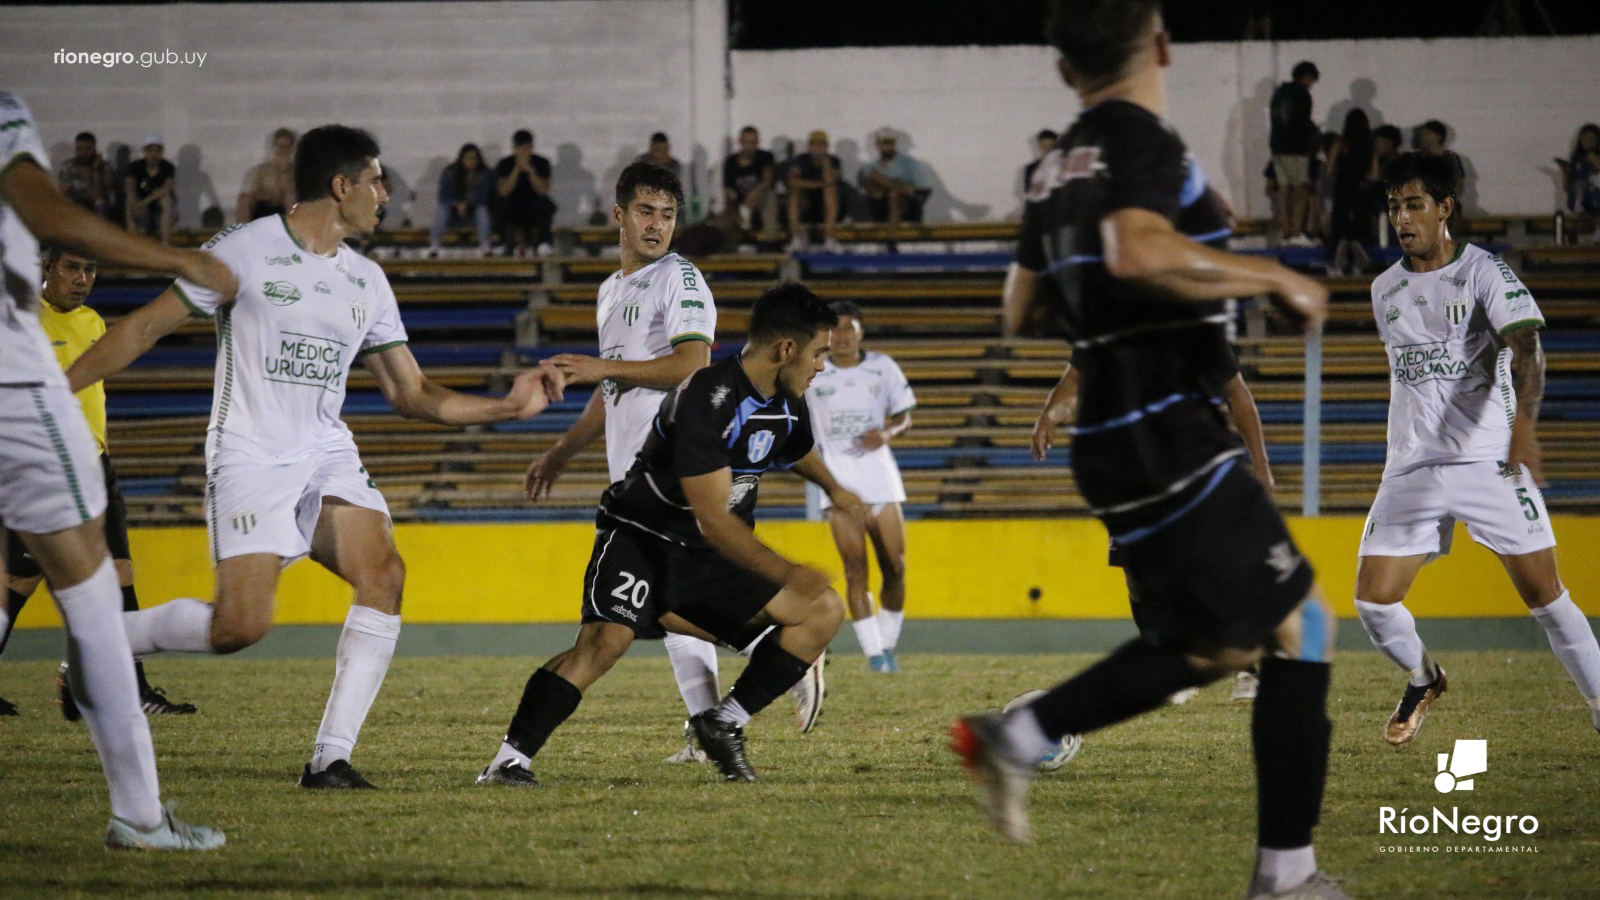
x=1290, y=731
x=547, y=701
x=771, y=673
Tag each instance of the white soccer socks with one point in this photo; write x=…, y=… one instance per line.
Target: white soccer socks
x=365, y=648
x=1393, y=631
x=869, y=635
x=100, y=670
x=182, y=625
x=889, y=622
x=1574, y=644
x=694, y=666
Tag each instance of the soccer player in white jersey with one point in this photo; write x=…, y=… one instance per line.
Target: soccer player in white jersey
x=51, y=488
x=283, y=477
x=859, y=403
x=656, y=320
x=1466, y=378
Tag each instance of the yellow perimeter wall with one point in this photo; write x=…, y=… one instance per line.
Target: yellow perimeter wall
x=957, y=570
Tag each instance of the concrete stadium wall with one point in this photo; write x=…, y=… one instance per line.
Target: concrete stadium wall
x=593, y=78
x=956, y=570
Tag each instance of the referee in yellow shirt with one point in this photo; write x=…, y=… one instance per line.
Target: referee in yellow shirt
x=72, y=328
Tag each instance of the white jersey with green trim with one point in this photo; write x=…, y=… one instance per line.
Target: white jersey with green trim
x=285, y=345
x=641, y=317
x=845, y=404
x=1451, y=399
x=25, y=354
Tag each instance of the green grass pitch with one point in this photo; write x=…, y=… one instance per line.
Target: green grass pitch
x=870, y=805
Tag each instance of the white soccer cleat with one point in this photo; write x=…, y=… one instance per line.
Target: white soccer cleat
x=691, y=752
x=1245, y=687
x=1320, y=886
x=808, y=694
x=1001, y=782
x=172, y=834
x=1179, y=698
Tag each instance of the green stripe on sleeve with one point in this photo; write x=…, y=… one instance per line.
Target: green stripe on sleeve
x=378, y=348
x=690, y=336
x=178, y=289
x=1521, y=323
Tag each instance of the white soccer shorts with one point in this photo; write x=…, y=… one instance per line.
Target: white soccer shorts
x=1415, y=513
x=50, y=477
x=263, y=508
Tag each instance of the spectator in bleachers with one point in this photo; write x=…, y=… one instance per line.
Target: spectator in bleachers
x=814, y=194
x=1386, y=142
x=1293, y=139
x=660, y=153
x=1321, y=208
x=464, y=196
x=1355, y=177
x=1043, y=143
x=747, y=184
x=150, y=186
x=522, y=184
x=1430, y=137
x=1581, y=172
x=84, y=177
x=895, y=184
x=268, y=188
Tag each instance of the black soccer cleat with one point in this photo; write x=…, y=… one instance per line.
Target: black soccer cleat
x=7, y=708
x=339, y=776
x=723, y=741
x=69, y=706
x=509, y=774
x=155, y=703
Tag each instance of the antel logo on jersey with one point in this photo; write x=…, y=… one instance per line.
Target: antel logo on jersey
x=291, y=259
x=281, y=293
x=760, y=445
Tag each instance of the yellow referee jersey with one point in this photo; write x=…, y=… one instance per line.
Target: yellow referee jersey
x=71, y=333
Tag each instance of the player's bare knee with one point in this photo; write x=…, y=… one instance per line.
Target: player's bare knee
x=826, y=611
x=231, y=637
x=386, y=579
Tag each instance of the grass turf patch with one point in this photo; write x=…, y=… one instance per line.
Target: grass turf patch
x=869, y=805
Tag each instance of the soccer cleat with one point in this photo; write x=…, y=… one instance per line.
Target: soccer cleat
x=1001, y=781
x=878, y=665
x=723, y=741
x=69, y=706
x=339, y=776
x=155, y=703
x=691, y=752
x=510, y=773
x=172, y=834
x=1179, y=698
x=7, y=708
x=808, y=694
x=1245, y=686
x=1413, y=708
x=894, y=661
x=1320, y=886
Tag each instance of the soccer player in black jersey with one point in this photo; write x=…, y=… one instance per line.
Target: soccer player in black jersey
x=675, y=550
x=1115, y=219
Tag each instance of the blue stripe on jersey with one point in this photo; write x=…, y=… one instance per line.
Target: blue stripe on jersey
x=748, y=407
x=1210, y=236
x=1139, y=534
x=1194, y=185
x=1076, y=259
x=1313, y=632
x=1128, y=418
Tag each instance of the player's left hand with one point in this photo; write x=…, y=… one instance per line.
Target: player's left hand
x=534, y=390
x=1525, y=452
x=872, y=440
x=579, y=369
x=848, y=503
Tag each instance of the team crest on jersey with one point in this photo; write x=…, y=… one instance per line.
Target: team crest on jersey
x=630, y=311
x=243, y=522
x=359, y=314
x=280, y=293
x=760, y=445
x=719, y=396
x=1456, y=310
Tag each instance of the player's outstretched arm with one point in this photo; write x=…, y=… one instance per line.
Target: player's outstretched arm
x=1060, y=406
x=549, y=465
x=1142, y=247
x=813, y=469
x=1015, y=298
x=1527, y=377
x=414, y=396
x=728, y=535
x=129, y=338
x=662, y=373
x=55, y=220
x=1247, y=421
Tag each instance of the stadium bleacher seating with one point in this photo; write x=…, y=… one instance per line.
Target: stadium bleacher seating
x=934, y=307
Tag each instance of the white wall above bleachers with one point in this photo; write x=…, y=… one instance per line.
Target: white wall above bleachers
x=593, y=78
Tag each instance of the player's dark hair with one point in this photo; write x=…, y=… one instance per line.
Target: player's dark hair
x=659, y=137
x=749, y=129
x=647, y=176
x=50, y=253
x=1440, y=173
x=1046, y=133
x=842, y=308
x=789, y=309
x=84, y=136
x=1098, y=37
x=326, y=152
x=1437, y=127
x=1304, y=69
x=521, y=138
x=1577, y=142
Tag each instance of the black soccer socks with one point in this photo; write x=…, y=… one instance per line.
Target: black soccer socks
x=547, y=701
x=1290, y=731
x=1136, y=678
x=771, y=673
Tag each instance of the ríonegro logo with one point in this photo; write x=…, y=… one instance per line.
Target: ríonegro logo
x=1456, y=772
x=1469, y=758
